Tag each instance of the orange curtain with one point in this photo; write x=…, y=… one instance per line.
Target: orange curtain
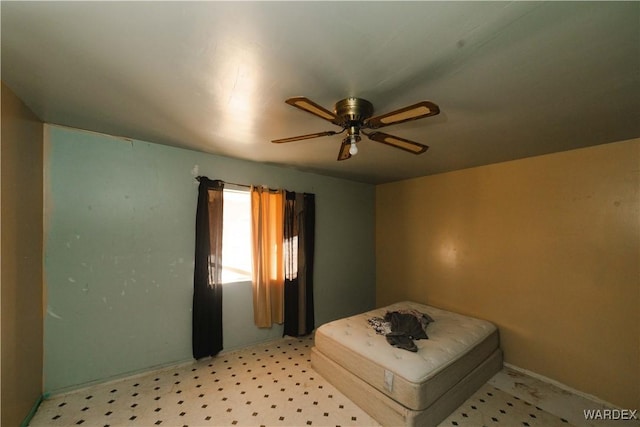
x=267, y=218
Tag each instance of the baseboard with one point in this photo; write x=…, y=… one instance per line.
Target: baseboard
x=146, y=371
x=32, y=412
x=235, y=349
x=117, y=378
x=561, y=386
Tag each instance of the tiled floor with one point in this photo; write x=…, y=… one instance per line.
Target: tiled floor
x=492, y=406
x=269, y=384
x=555, y=400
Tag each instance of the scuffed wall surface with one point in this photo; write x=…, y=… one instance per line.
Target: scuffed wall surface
x=120, y=218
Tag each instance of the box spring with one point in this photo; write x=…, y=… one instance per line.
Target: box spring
x=457, y=346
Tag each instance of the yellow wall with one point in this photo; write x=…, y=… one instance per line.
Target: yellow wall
x=548, y=248
x=22, y=323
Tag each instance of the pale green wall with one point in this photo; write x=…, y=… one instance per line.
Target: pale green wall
x=119, y=229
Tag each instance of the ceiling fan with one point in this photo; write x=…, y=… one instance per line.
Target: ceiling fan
x=354, y=115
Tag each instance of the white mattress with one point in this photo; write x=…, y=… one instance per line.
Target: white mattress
x=456, y=345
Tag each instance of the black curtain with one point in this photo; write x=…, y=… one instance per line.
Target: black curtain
x=299, y=241
x=207, y=284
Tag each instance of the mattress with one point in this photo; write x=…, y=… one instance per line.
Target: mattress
x=457, y=344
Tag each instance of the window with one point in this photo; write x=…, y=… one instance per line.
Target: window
x=236, y=236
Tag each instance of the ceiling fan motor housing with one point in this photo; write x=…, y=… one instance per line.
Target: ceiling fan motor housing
x=353, y=111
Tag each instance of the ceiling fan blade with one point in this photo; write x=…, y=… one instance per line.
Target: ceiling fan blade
x=397, y=142
x=301, y=137
x=344, y=150
x=305, y=104
x=412, y=112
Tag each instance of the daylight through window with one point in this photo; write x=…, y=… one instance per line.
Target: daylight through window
x=236, y=237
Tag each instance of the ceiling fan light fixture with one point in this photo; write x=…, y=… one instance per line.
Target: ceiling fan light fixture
x=353, y=148
x=354, y=137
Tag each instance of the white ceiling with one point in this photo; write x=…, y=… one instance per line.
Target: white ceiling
x=512, y=79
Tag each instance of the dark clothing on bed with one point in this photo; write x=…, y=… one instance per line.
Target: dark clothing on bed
x=404, y=329
x=401, y=341
x=405, y=324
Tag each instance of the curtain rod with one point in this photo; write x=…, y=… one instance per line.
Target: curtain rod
x=237, y=185
x=227, y=182
x=245, y=185
x=231, y=183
